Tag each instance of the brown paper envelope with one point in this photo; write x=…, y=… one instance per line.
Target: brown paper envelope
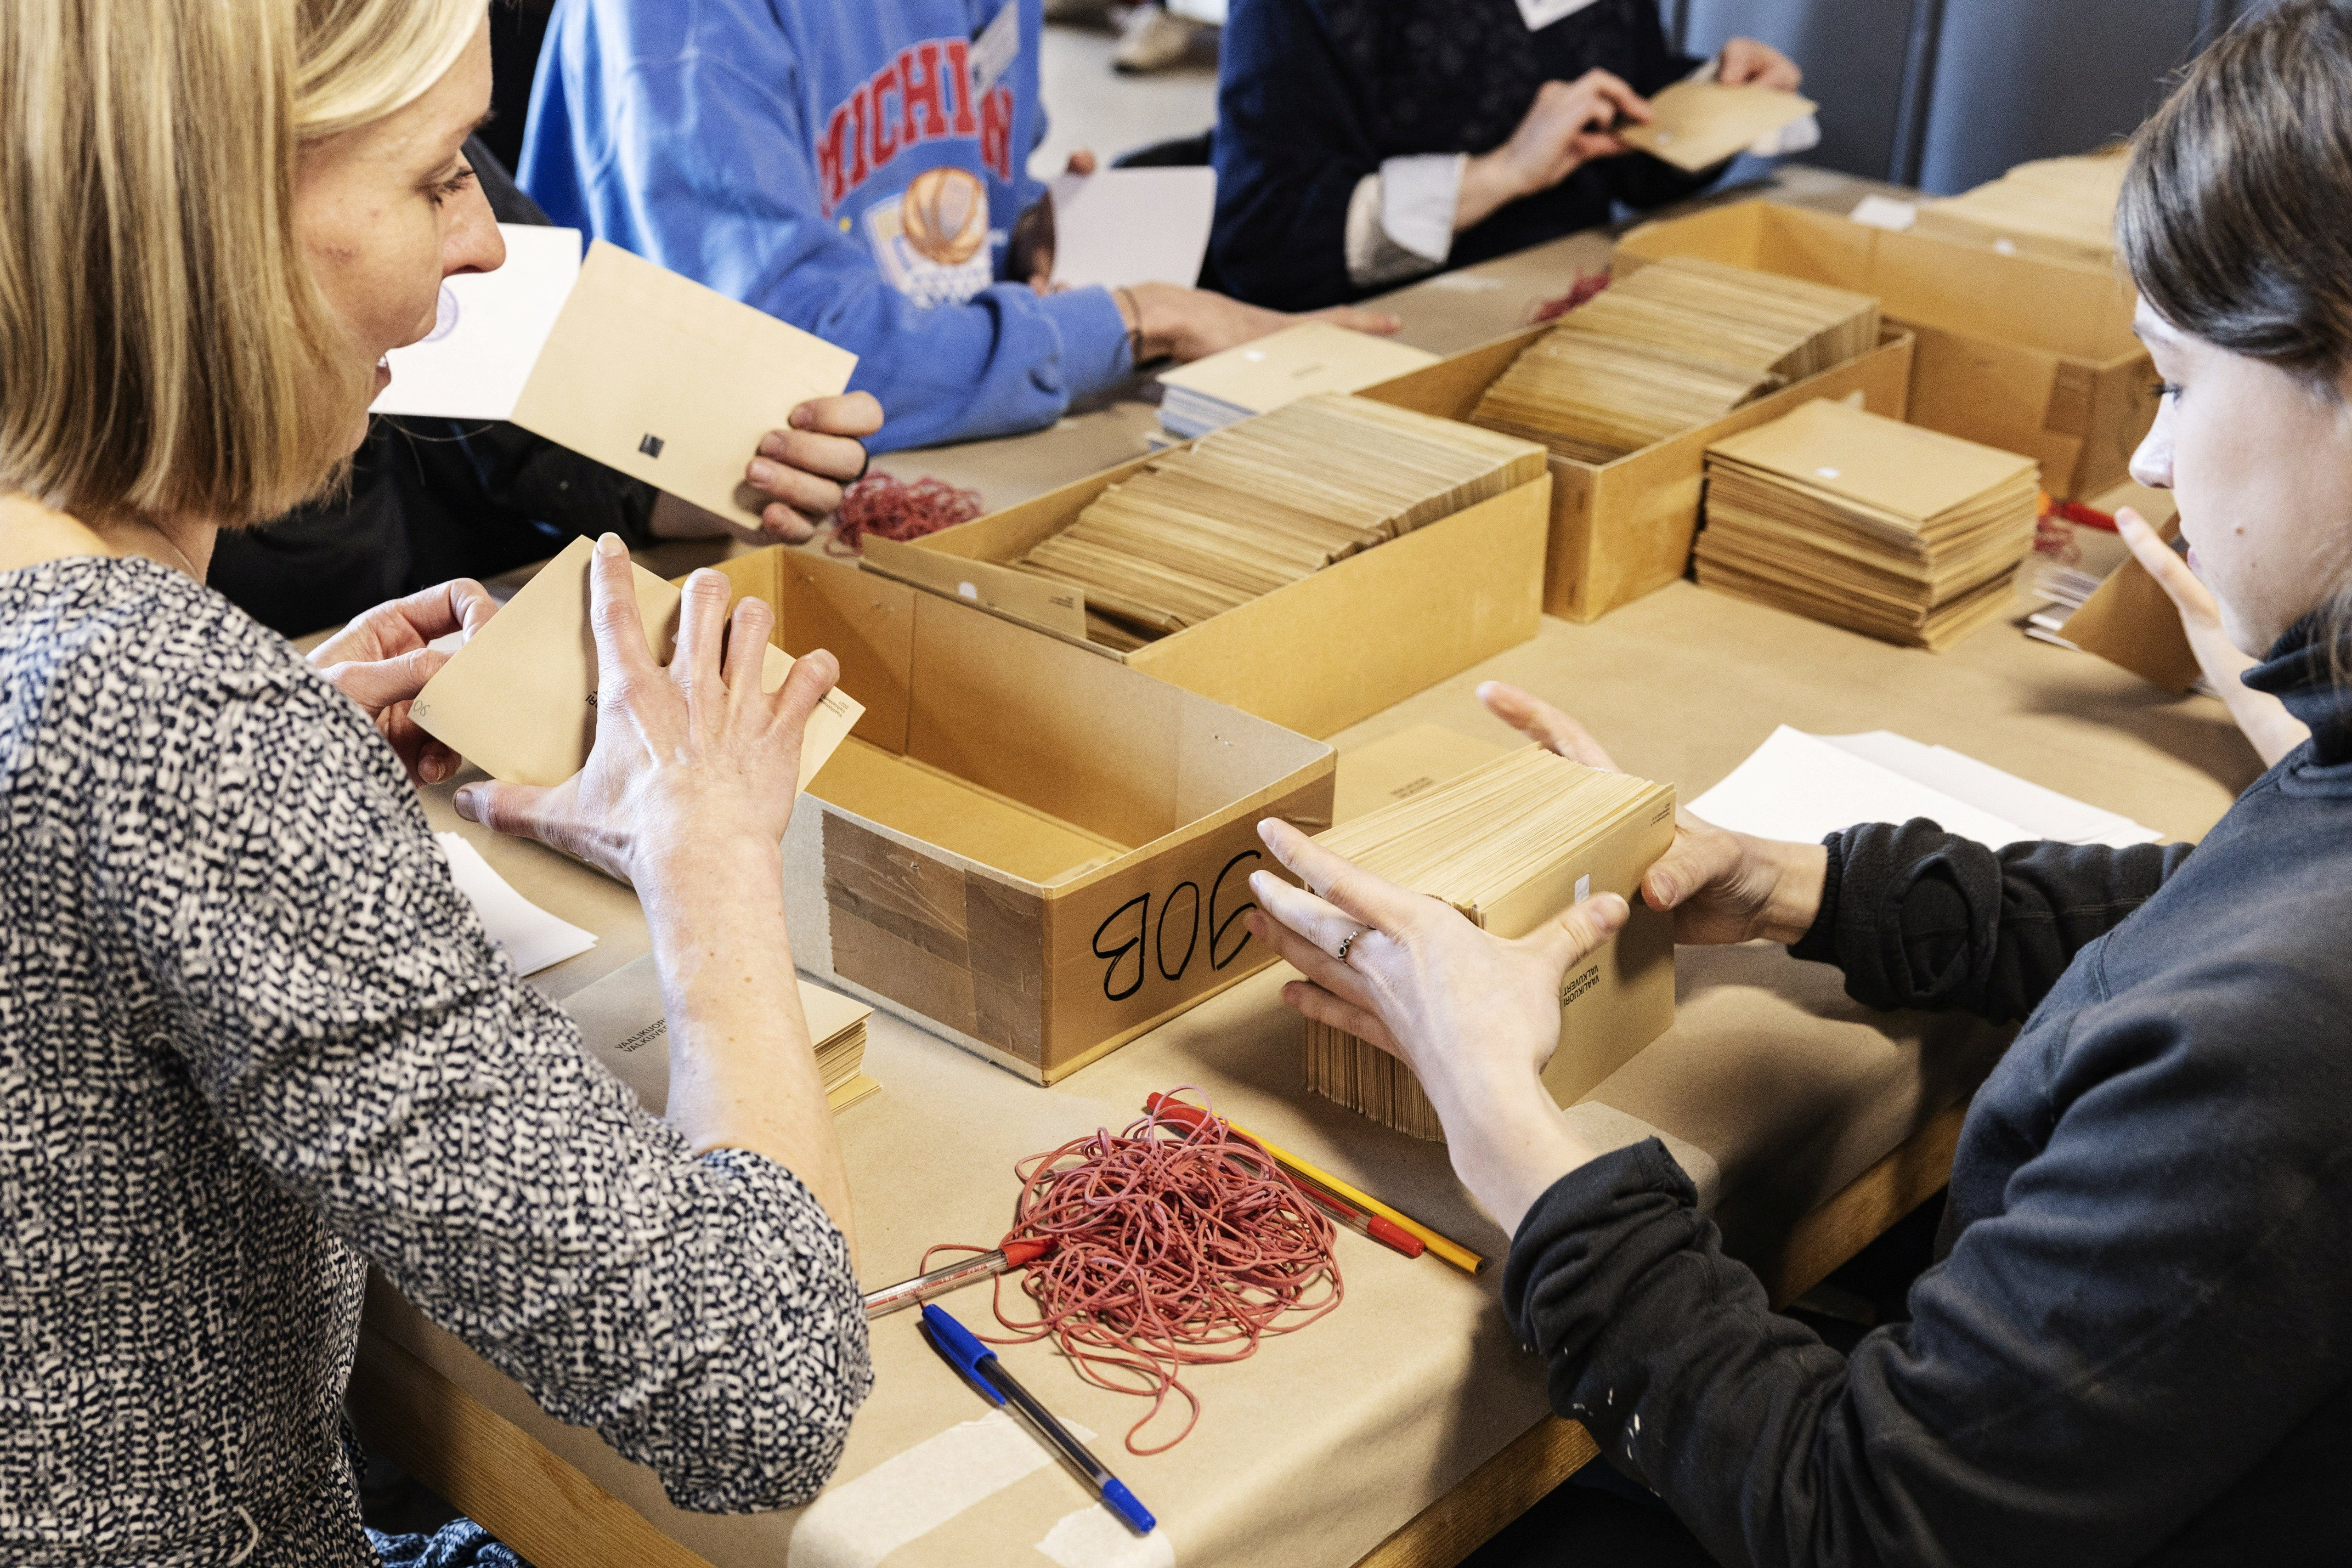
x=519, y=700
x=2130, y=620
x=669, y=381
x=625, y=1026
x=1881, y=462
x=1297, y=361
x=1400, y=766
x=1701, y=123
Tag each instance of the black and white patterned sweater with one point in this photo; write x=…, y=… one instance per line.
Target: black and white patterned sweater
x=251, y=1039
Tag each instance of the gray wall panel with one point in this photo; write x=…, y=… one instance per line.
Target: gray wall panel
x=1852, y=52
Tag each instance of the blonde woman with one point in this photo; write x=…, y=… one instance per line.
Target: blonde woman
x=251, y=1037
x=2135, y=1344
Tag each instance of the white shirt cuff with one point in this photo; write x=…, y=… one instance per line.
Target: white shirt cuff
x=1400, y=220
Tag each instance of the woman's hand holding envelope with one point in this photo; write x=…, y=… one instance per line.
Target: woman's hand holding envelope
x=382, y=659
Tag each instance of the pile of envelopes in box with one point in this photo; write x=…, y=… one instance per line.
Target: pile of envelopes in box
x=1510, y=844
x=1904, y=533
x=1676, y=345
x=1266, y=502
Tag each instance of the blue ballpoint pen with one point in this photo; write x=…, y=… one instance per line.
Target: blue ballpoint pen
x=981, y=1368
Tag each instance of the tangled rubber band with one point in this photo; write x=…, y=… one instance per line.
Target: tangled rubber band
x=881, y=505
x=1177, y=1245
x=1587, y=285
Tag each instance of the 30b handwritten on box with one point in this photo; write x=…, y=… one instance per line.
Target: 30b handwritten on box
x=670, y=382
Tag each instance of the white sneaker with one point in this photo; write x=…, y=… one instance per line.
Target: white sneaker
x=1152, y=40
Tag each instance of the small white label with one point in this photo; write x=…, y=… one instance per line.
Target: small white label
x=1541, y=14
x=968, y=591
x=1583, y=888
x=1255, y=356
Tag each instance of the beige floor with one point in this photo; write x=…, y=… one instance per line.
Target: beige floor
x=1090, y=105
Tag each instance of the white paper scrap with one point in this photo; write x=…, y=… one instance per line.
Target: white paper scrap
x=1886, y=212
x=859, y=1522
x=490, y=330
x=1095, y=1538
x=1123, y=226
x=1802, y=788
x=531, y=938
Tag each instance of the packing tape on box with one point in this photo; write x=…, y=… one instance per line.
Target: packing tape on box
x=859, y=1522
x=1093, y=1538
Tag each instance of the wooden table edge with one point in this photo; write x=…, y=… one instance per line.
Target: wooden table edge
x=503, y=1478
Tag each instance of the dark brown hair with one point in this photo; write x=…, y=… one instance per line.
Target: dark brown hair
x=2236, y=215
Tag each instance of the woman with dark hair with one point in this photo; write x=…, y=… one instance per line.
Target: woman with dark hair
x=2137, y=1343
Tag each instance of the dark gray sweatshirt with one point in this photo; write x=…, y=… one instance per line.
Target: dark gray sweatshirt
x=2137, y=1343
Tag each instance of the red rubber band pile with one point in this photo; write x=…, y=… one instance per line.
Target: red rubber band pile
x=1176, y=1248
x=880, y=505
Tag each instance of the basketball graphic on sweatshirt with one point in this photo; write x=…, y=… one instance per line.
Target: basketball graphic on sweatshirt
x=944, y=216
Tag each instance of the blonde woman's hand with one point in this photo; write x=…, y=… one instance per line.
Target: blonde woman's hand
x=1722, y=887
x=381, y=661
x=694, y=767
x=2268, y=726
x=1475, y=1016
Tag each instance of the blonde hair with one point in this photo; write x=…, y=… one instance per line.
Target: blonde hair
x=164, y=350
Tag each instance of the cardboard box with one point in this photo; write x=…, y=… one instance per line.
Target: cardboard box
x=2023, y=353
x=1036, y=852
x=1314, y=656
x=1618, y=531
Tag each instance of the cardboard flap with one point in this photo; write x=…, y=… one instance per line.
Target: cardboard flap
x=669, y=381
x=1052, y=607
x=865, y=622
x=1699, y=124
x=2130, y=620
x=519, y=700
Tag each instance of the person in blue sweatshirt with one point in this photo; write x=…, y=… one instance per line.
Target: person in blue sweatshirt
x=2136, y=1342
x=1363, y=142
x=860, y=171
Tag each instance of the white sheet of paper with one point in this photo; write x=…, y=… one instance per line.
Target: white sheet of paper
x=1802, y=788
x=1124, y=226
x=532, y=938
x=1886, y=212
x=2041, y=813
x=492, y=325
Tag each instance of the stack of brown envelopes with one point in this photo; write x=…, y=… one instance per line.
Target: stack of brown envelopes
x=1863, y=522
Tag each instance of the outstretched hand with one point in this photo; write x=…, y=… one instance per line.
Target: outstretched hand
x=1722, y=887
x=692, y=764
x=1476, y=1016
x=381, y=661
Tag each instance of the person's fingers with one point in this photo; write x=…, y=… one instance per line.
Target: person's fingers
x=1342, y=980
x=1294, y=908
x=518, y=810
x=622, y=656
x=781, y=524
x=701, y=626
x=814, y=673
x=847, y=414
x=1313, y=1002
x=1082, y=162
x=437, y=762
x=828, y=458
x=1546, y=725
x=1700, y=857
x=1372, y=901
x=1355, y=318
x=1577, y=932
x=747, y=649
x=460, y=605
x=1593, y=146
x=2188, y=595
x=379, y=683
x=1618, y=95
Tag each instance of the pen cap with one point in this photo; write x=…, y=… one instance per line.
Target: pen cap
x=1121, y=1502
x=962, y=1350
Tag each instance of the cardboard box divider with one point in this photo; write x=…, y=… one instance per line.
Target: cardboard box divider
x=1036, y=852
x=2023, y=353
x=1620, y=530
x=1314, y=656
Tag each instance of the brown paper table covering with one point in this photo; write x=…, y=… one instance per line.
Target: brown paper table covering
x=1327, y=1441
